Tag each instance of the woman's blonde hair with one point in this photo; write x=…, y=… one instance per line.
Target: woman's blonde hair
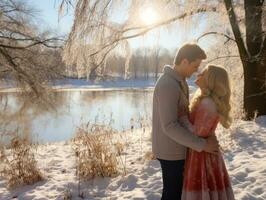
x=218, y=89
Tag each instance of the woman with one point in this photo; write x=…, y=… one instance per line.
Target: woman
x=205, y=175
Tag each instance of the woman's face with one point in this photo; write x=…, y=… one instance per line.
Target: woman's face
x=201, y=80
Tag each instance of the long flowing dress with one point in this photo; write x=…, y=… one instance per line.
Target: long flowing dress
x=205, y=174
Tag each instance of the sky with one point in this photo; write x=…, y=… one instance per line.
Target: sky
x=48, y=19
x=48, y=16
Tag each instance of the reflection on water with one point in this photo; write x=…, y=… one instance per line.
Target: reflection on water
x=75, y=108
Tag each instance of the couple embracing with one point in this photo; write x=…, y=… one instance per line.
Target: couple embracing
x=183, y=133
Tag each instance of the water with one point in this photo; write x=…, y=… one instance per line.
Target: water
x=79, y=107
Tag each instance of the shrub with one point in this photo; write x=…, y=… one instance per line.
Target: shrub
x=96, y=152
x=20, y=167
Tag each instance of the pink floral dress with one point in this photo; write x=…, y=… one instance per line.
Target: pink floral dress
x=205, y=174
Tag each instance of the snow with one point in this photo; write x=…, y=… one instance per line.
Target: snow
x=244, y=152
x=116, y=83
x=246, y=162
x=83, y=84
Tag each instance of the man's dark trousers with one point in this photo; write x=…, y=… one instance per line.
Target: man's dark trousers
x=172, y=172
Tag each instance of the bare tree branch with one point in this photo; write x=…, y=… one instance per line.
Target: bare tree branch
x=20, y=72
x=222, y=57
x=215, y=33
x=37, y=42
x=257, y=94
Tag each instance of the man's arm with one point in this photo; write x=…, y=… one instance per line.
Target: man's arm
x=168, y=97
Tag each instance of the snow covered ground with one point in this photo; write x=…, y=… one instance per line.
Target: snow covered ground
x=109, y=84
x=244, y=152
x=78, y=84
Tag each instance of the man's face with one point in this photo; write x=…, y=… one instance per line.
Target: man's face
x=191, y=67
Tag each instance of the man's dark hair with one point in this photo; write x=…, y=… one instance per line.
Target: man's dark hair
x=191, y=52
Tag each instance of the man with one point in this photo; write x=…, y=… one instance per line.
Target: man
x=169, y=139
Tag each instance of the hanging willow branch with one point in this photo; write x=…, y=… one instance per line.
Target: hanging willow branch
x=96, y=36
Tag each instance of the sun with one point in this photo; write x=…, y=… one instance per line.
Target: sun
x=149, y=16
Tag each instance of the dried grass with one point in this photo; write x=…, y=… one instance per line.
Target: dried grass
x=19, y=166
x=95, y=151
x=119, y=147
x=149, y=156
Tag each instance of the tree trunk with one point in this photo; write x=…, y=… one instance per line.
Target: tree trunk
x=156, y=71
x=254, y=89
x=135, y=72
x=253, y=55
x=93, y=75
x=93, y=72
x=255, y=65
x=157, y=61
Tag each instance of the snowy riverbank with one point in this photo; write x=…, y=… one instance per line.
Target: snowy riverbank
x=245, y=156
x=83, y=84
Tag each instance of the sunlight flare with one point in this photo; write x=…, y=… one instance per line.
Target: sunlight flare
x=149, y=16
